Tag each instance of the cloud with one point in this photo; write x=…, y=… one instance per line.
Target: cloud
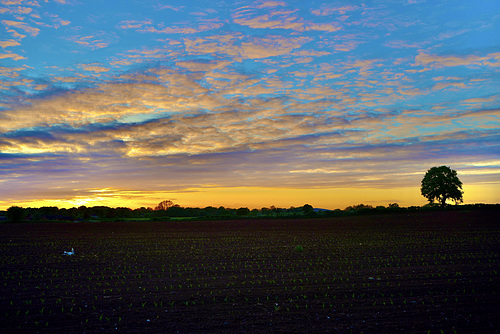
x=27, y=16
x=451, y=34
x=11, y=72
x=480, y=100
x=279, y=19
x=147, y=26
x=436, y=61
x=181, y=125
x=132, y=57
x=133, y=24
x=327, y=11
x=11, y=2
x=401, y=44
x=361, y=65
x=99, y=40
x=197, y=132
x=271, y=4
x=164, y=90
x=264, y=22
x=6, y=43
x=19, y=10
x=160, y=7
x=21, y=25
x=280, y=165
x=14, y=56
x=244, y=47
x=202, y=66
x=258, y=145
x=444, y=85
x=96, y=68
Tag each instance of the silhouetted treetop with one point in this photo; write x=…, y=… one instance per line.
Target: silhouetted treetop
x=164, y=205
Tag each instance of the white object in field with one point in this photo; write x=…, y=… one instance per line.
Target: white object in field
x=72, y=252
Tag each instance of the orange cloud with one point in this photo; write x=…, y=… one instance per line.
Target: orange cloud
x=271, y=4
x=435, y=61
x=7, y=43
x=281, y=20
x=203, y=66
x=147, y=26
x=15, y=10
x=98, y=41
x=444, y=85
x=400, y=44
x=96, y=68
x=11, y=55
x=21, y=25
x=11, y=72
x=242, y=47
x=330, y=10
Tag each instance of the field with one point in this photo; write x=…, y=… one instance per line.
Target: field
x=411, y=273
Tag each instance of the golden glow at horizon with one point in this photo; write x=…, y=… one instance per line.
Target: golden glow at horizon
x=258, y=197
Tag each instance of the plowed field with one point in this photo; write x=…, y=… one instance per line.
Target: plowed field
x=407, y=273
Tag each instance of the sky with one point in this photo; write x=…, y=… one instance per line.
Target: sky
x=246, y=103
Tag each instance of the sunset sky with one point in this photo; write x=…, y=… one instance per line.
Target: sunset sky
x=246, y=103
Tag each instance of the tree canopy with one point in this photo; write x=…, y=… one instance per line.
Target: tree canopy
x=164, y=205
x=442, y=183
x=15, y=214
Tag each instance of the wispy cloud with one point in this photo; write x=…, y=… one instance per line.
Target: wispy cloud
x=242, y=47
x=279, y=19
x=21, y=25
x=97, y=68
x=437, y=61
x=341, y=10
x=13, y=56
x=6, y=43
x=98, y=40
x=148, y=27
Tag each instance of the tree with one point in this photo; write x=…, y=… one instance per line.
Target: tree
x=15, y=214
x=242, y=211
x=307, y=208
x=359, y=207
x=442, y=183
x=164, y=205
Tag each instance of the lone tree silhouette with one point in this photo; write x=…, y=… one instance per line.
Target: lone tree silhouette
x=442, y=183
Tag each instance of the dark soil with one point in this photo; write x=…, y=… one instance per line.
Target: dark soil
x=407, y=273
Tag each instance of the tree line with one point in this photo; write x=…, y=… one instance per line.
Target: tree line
x=165, y=210
x=176, y=212
x=439, y=183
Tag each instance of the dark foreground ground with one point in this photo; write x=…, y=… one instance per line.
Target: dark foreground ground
x=418, y=273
